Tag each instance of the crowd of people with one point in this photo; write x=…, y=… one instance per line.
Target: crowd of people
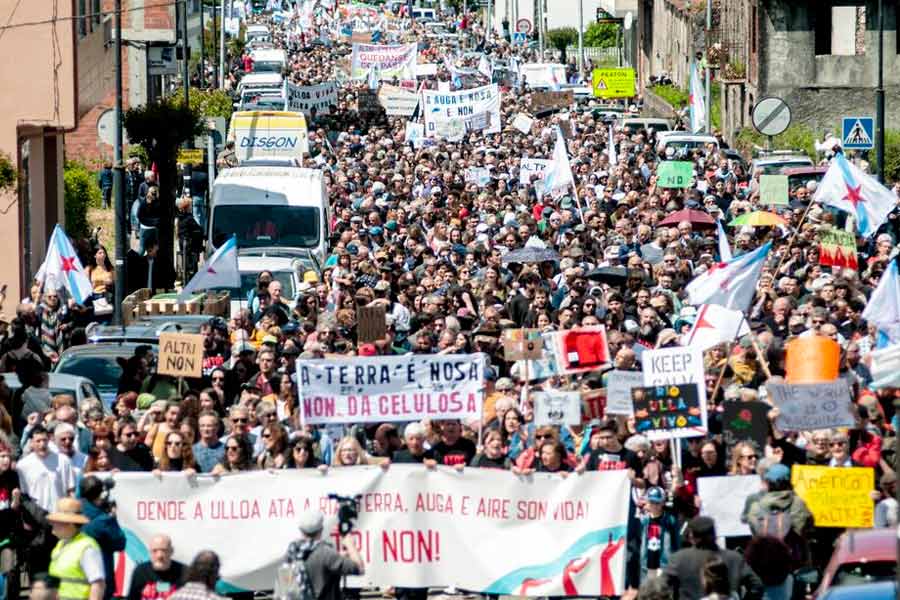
x=410, y=233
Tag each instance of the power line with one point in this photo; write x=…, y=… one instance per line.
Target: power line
x=101, y=14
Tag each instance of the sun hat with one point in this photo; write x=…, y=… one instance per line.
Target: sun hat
x=68, y=510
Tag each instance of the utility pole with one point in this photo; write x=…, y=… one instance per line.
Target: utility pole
x=186, y=84
x=222, y=45
x=879, y=97
x=540, y=29
x=121, y=231
x=581, y=39
x=708, y=70
x=214, y=59
x=488, y=22
x=202, y=49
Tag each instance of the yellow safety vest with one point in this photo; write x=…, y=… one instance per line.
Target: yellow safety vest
x=65, y=563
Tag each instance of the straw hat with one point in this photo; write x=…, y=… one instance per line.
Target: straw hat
x=68, y=510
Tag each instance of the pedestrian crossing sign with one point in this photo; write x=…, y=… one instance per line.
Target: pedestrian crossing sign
x=858, y=133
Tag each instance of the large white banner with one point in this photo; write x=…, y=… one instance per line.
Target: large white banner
x=482, y=530
x=391, y=388
x=398, y=102
x=450, y=114
x=303, y=98
x=390, y=61
x=543, y=75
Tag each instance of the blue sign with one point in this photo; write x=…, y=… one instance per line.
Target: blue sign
x=858, y=133
x=519, y=38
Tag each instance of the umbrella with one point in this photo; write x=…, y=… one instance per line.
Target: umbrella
x=610, y=275
x=696, y=217
x=530, y=255
x=758, y=218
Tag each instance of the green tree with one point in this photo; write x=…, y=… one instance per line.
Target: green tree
x=207, y=103
x=161, y=128
x=601, y=35
x=561, y=38
x=81, y=191
x=7, y=171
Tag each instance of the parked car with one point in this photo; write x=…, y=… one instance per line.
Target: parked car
x=861, y=557
x=883, y=590
x=798, y=176
x=772, y=163
x=146, y=330
x=81, y=388
x=98, y=363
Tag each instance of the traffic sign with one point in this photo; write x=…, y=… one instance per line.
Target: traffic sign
x=192, y=156
x=614, y=83
x=858, y=133
x=771, y=116
x=519, y=38
x=523, y=26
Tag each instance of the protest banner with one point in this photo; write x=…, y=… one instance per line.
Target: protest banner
x=675, y=174
x=773, y=190
x=593, y=405
x=372, y=325
x=544, y=101
x=812, y=359
x=745, y=421
x=398, y=101
x=723, y=498
x=529, y=167
x=811, y=406
x=581, y=349
x=397, y=60
x=476, y=109
x=836, y=496
x=522, y=344
x=180, y=354
x=523, y=123
x=614, y=83
x=367, y=102
x=542, y=75
x=662, y=412
x=618, y=394
x=305, y=98
x=837, y=248
x=674, y=366
x=415, y=528
x=557, y=408
x=546, y=366
x=414, y=133
x=426, y=69
x=480, y=176
x=390, y=388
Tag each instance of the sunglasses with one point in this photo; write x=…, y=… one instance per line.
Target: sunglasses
x=838, y=443
x=242, y=420
x=301, y=449
x=266, y=436
x=543, y=436
x=129, y=434
x=232, y=448
x=750, y=456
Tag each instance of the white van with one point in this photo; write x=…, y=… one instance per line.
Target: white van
x=257, y=34
x=424, y=14
x=683, y=142
x=271, y=207
x=270, y=60
x=260, y=82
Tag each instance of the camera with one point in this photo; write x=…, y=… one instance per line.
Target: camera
x=97, y=491
x=348, y=511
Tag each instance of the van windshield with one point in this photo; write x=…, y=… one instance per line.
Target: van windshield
x=266, y=225
x=267, y=67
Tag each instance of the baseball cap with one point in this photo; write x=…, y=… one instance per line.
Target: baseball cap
x=311, y=522
x=656, y=495
x=368, y=350
x=777, y=474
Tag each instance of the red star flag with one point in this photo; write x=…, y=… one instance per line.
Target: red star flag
x=220, y=271
x=847, y=188
x=63, y=269
x=716, y=324
x=730, y=284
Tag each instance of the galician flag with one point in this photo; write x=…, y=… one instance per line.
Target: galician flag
x=730, y=284
x=724, y=248
x=716, y=324
x=62, y=268
x=883, y=308
x=220, y=271
x=697, y=101
x=847, y=188
x=559, y=174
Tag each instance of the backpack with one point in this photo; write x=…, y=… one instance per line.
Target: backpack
x=777, y=524
x=293, y=581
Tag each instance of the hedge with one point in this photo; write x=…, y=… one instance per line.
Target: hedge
x=81, y=192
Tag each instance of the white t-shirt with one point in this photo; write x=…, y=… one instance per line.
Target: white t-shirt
x=46, y=479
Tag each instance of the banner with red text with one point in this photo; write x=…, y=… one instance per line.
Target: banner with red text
x=388, y=61
x=482, y=530
x=391, y=388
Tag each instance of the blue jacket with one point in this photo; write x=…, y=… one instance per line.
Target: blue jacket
x=104, y=528
x=105, y=178
x=669, y=540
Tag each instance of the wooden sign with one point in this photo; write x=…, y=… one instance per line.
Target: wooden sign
x=180, y=354
x=522, y=344
x=541, y=101
x=371, y=324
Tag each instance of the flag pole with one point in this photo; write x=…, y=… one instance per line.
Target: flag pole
x=787, y=251
x=578, y=202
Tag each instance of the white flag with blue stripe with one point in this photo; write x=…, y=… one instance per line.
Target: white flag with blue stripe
x=220, y=271
x=847, y=188
x=63, y=269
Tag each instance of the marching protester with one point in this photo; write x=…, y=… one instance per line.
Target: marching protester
x=516, y=272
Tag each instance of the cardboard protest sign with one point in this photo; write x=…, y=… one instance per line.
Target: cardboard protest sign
x=180, y=354
x=836, y=496
x=773, y=190
x=837, y=248
x=675, y=174
x=522, y=344
x=480, y=176
x=543, y=101
x=397, y=101
x=666, y=411
x=557, y=408
x=523, y=123
x=593, y=405
x=745, y=421
x=723, y=499
x=371, y=323
x=618, y=390
x=812, y=359
x=811, y=406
